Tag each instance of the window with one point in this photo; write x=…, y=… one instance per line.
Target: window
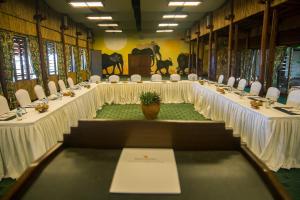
x=51, y=58
x=23, y=69
x=83, y=59
x=72, y=67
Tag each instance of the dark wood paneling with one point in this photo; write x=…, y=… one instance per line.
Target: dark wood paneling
x=139, y=64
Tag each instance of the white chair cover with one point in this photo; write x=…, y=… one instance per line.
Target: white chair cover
x=39, y=92
x=255, y=88
x=231, y=81
x=242, y=84
x=192, y=77
x=156, y=77
x=70, y=82
x=23, y=97
x=175, y=77
x=294, y=98
x=220, y=79
x=52, y=87
x=114, y=78
x=4, y=108
x=95, y=78
x=135, y=77
x=273, y=93
x=62, y=85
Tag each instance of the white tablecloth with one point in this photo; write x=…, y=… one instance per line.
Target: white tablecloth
x=272, y=135
x=21, y=142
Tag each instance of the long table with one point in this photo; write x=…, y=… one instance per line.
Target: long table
x=272, y=135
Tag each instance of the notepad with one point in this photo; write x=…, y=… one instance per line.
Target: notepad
x=146, y=171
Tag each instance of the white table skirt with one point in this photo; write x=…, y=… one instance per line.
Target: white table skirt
x=21, y=142
x=272, y=135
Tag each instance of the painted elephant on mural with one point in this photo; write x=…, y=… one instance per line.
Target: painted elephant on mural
x=115, y=60
x=163, y=64
x=183, y=63
x=152, y=50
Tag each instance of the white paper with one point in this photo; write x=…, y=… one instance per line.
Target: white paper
x=148, y=171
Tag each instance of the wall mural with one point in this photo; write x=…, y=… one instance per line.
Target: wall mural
x=162, y=51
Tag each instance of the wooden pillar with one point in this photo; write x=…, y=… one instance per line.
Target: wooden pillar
x=235, y=67
x=3, y=75
x=62, y=28
x=78, y=66
x=263, y=48
x=214, y=57
x=197, y=54
x=201, y=56
x=39, y=18
x=190, y=52
x=210, y=64
x=272, y=47
x=193, y=56
x=230, y=17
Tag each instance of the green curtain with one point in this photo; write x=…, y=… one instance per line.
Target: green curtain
x=78, y=64
x=222, y=61
x=1, y=91
x=6, y=42
x=248, y=64
x=60, y=62
x=35, y=58
x=279, y=58
x=68, y=57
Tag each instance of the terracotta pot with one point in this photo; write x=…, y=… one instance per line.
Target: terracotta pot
x=151, y=111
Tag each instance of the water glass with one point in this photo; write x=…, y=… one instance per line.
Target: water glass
x=19, y=114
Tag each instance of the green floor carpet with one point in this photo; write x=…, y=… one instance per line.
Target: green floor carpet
x=5, y=185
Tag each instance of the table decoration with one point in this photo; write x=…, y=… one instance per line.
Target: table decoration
x=150, y=102
x=41, y=107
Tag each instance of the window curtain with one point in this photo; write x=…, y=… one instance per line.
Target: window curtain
x=60, y=61
x=78, y=64
x=68, y=57
x=279, y=58
x=222, y=61
x=35, y=58
x=6, y=42
x=248, y=64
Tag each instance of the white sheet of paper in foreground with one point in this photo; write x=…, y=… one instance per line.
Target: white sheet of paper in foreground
x=147, y=171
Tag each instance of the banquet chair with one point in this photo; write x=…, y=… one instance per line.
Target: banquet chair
x=294, y=98
x=175, y=77
x=70, y=82
x=192, y=77
x=114, y=78
x=156, y=77
x=273, y=93
x=62, y=85
x=242, y=84
x=23, y=97
x=95, y=78
x=135, y=77
x=220, y=79
x=4, y=108
x=255, y=88
x=39, y=92
x=231, y=81
x=52, y=88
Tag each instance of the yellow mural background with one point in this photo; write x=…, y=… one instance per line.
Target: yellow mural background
x=169, y=48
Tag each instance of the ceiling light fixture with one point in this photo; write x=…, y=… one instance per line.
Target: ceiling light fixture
x=175, y=16
x=167, y=24
x=99, y=17
x=108, y=25
x=84, y=4
x=164, y=31
x=184, y=3
x=113, y=31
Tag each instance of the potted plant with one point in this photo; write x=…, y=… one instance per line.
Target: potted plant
x=150, y=104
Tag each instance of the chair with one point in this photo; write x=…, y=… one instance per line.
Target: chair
x=23, y=97
x=192, y=77
x=294, y=98
x=52, y=87
x=231, y=81
x=273, y=93
x=221, y=79
x=114, y=78
x=242, y=84
x=39, y=92
x=70, y=82
x=135, y=77
x=175, y=77
x=95, y=78
x=62, y=85
x=4, y=108
x=255, y=88
x=156, y=77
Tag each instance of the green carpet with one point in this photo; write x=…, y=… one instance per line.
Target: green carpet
x=134, y=112
x=5, y=184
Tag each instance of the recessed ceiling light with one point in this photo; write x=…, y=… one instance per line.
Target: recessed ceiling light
x=82, y=4
x=167, y=24
x=108, y=25
x=113, y=31
x=99, y=17
x=184, y=3
x=164, y=31
x=175, y=16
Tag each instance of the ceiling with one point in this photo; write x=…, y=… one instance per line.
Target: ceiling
x=151, y=14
